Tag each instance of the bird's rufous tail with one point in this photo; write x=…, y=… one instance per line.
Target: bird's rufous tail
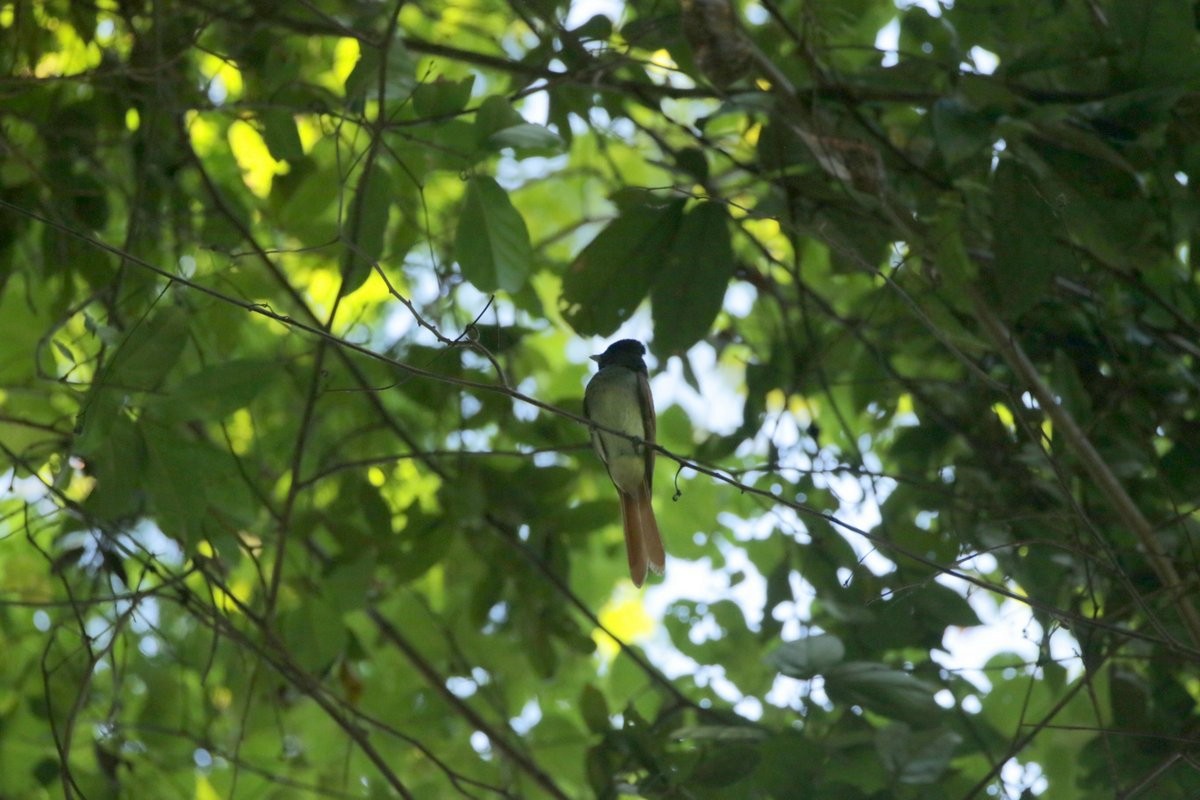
x=642, y=541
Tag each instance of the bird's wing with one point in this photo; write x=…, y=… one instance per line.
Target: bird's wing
x=647, y=402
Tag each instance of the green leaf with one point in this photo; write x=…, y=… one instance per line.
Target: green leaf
x=304, y=199
x=362, y=83
x=441, y=97
x=600, y=771
x=88, y=198
x=1068, y=134
x=542, y=655
x=955, y=266
x=175, y=479
x=217, y=391
x=24, y=319
x=916, y=757
x=149, y=351
x=921, y=31
x=693, y=161
x=725, y=765
x=598, y=27
x=594, y=709
x=281, y=135
x=499, y=338
x=688, y=293
x=721, y=733
x=492, y=242
x=939, y=606
x=1067, y=384
x=605, y=283
x=1024, y=230
x=114, y=453
x=789, y=760
x=193, y=486
x=526, y=136
x=1158, y=41
x=314, y=634
x=422, y=544
x=960, y=132
x=367, y=225
x=495, y=114
x=886, y=691
x=808, y=657
x=779, y=590
x=347, y=581
x=47, y=771
x=362, y=78
x=452, y=146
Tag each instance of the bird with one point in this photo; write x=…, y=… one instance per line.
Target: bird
x=618, y=398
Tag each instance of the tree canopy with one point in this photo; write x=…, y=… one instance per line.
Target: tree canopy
x=298, y=501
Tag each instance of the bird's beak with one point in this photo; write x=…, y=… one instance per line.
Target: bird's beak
x=595, y=358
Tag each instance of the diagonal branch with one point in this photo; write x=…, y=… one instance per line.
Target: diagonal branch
x=1097, y=469
x=393, y=635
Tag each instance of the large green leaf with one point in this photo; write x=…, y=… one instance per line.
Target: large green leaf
x=808, y=657
x=883, y=690
x=492, y=241
x=499, y=125
x=114, y=454
x=688, y=292
x=216, y=391
x=194, y=488
x=280, y=133
x=1158, y=47
x=594, y=709
x=1025, y=232
x=27, y=315
x=916, y=757
x=305, y=198
x=313, y=633
x=961, y=132
x=364, y=230
x=151, y=349
x=526, y=136
x=175, y=478
x=441, y=97
x=607, y=280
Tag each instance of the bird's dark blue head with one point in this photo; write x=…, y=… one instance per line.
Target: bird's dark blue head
x=625, y=352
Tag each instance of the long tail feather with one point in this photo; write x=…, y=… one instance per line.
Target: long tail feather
x=642, y=540
x=651, y=541
x=634, y=539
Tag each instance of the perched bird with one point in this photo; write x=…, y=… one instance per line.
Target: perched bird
x=618, y=397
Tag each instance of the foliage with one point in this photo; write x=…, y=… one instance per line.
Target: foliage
x=298, y=500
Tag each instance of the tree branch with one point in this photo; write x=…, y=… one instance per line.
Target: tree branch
x=1091, y=460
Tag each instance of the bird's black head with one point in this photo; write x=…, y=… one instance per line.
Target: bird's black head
x=625, y=353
